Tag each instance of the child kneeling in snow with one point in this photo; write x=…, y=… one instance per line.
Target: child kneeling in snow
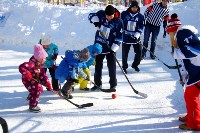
x=69, y=69
x=34, y=76
x=187, y=48
x=94, y=50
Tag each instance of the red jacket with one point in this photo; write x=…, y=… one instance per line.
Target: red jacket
x=173, y=25
x=37, y=72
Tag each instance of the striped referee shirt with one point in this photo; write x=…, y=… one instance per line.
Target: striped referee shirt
x=156, y=14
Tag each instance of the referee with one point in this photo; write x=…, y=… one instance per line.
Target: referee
x=154, y=15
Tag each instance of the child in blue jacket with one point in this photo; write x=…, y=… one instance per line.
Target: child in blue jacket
x=52, y=51
x=69, y=69
x=94, y=50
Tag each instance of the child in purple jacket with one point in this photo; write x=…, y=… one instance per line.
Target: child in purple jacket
x=33, y=77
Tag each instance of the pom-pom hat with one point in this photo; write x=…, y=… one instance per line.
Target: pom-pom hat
x=39, y=53
x=45, y=39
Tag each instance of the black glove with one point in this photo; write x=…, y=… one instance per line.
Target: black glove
x=87, y=78
x=97, y=24
x=72, y=80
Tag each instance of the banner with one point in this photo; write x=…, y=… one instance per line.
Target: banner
x=3, y=17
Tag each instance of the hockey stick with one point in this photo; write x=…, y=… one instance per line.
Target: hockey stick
x=170, y=67
x=4, y=125
x=137, y=92
x=77, y=105
x=179, y=73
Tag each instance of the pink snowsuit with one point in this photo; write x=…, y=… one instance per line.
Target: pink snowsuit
x=34, y=87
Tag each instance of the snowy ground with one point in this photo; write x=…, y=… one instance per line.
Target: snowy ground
x=127, y=113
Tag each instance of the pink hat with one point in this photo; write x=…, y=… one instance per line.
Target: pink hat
x=39, y=52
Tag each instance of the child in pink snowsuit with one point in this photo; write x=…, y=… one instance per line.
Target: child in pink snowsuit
x=33, y=77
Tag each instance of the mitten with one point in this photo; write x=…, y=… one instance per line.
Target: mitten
x=54, y=67
x=97, y=24
x=55, y=56
x=28, y=75
x=114, y=47
x=48, y=85
x=87, y=78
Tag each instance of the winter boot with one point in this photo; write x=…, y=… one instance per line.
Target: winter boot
x=113, y=89
x=35, y=109
x=94, y=88
x=136, y=68
x=185, y=127
x=85, y=89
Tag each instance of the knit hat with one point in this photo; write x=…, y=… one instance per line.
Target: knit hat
x=174, y=15
x=39, y=52
x=110, y=10
x=97, y=48
x=45, y=39
x=84, y=55
x=134, y=4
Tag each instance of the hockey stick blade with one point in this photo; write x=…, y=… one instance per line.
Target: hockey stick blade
x=85, y=105
x=108, y=90
x=142, y=94
x=78, y=106
x=173, y=67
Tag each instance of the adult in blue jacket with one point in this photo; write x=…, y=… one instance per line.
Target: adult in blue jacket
x=52, y=51
x=133, y=28
x=109, y=35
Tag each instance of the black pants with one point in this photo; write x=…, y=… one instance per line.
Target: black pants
x=111, y=64
x=138, y=53
x=54, y=81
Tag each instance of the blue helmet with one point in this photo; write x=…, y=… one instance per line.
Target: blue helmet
x=97, y=48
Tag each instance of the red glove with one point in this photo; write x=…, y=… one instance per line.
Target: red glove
x=55, y=56
x=28, y=75
x=54, y=67
x=48, y=85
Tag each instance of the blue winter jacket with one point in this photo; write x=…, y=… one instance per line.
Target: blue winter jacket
x=110, y=32
x=69, y=67
x=189, y=51
x=132, y=23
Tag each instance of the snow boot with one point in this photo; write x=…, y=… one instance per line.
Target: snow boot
x=94, y=88
x=185, y=127
x=85, y=89
x=136, y=68
x=35, y=109
x=112, y=89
